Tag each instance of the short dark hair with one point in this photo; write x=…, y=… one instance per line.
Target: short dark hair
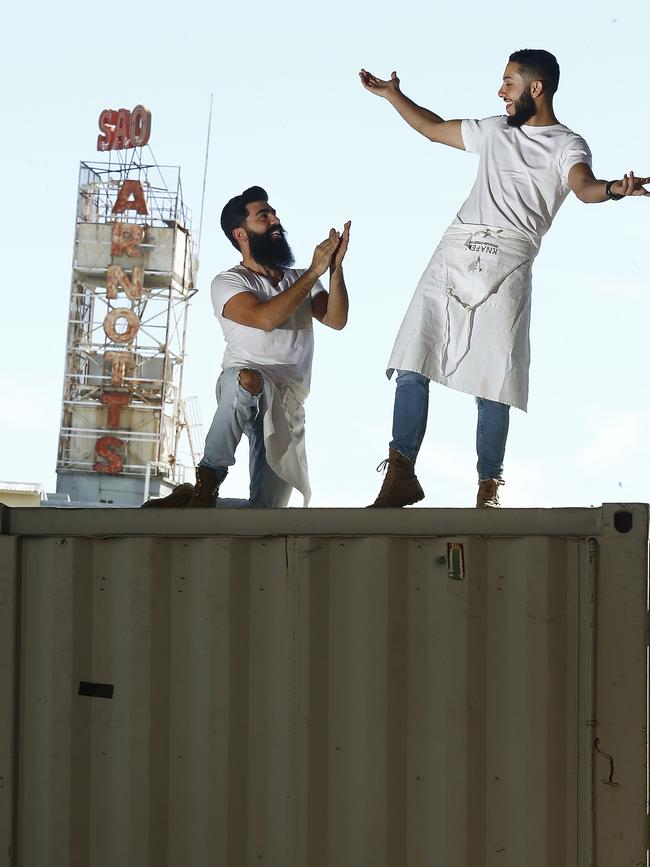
x=235, y=211
x=540, y=64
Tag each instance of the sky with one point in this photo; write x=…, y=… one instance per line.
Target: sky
x=290, y=114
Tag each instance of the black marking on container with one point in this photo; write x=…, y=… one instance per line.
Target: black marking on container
x=96, y=690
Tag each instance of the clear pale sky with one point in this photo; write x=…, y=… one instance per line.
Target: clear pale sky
x=291, y=115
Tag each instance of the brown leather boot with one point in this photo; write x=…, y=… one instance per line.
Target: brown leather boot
x=179, y=497
x=488, y=494
x=401, y=486
x=206, y=489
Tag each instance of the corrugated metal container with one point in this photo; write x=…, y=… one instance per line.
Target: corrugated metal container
x=323, y=688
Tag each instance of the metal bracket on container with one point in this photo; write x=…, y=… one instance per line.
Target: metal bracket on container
x=456, y=561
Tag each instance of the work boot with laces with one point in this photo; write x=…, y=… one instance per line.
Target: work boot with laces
x=488, y=494
x=179, y=497
x=206, y=489
x=401, y=486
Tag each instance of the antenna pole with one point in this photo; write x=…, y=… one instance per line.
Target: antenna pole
x=205, y=177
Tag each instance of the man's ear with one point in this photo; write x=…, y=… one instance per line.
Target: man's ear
x=536, y=88
x=239, y=234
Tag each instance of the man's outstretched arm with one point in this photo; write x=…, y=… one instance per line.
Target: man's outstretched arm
x=592, y=191
x=426, y=122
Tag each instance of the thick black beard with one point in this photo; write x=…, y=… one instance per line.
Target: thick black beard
x=524, y=109
x=272, y=252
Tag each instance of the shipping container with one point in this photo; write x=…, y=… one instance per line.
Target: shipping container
x=324, y=688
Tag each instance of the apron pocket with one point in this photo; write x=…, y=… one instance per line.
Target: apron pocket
x=478, y=269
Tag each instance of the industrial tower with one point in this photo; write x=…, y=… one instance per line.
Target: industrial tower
x=132, y=278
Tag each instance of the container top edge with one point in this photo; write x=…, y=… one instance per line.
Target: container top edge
x=629, y=519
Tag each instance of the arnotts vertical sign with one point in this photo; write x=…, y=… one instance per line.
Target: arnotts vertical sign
x=121, y=129
x=132, y=279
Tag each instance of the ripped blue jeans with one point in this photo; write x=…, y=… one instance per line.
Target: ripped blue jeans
x=410, y=423
x=239, y=412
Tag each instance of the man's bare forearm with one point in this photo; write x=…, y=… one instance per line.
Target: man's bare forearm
x=593, y=192
x=426, y=122
x=277, y=310
x=421, y=119
x=337, y=302
x=248, y=310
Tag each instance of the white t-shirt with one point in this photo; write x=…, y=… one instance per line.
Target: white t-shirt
x=522, y=174
x=287, y=351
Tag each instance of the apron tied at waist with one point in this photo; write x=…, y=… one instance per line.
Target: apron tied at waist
x=284, y=432
x=475, y=272
x=467, y=325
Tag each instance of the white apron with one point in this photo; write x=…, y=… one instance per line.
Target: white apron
x=284, y=432
x=467, y=326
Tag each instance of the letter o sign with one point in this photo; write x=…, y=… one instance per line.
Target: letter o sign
x=140, y=126
x=132, y=325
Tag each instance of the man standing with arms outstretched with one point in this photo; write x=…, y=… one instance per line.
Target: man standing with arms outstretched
x=468, y=323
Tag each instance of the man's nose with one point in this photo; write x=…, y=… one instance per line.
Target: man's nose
x=274, y=219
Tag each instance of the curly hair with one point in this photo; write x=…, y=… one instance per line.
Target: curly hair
x=235, y=212
x=540, y=64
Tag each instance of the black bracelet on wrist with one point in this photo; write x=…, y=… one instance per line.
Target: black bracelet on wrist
x=610, y=195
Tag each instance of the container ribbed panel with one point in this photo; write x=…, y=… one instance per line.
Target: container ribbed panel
x=325, y=700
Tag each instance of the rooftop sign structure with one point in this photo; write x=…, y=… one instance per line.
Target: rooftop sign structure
x=122, y=128
x=132, y=278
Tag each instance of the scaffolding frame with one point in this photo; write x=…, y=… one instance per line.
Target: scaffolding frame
x=154, y=416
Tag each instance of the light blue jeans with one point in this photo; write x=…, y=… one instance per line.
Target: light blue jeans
x=239, y=412
x=410, y=423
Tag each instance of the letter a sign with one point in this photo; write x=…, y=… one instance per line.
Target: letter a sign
x=130, y=198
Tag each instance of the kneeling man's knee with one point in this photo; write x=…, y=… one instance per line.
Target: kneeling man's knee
x=251, y=381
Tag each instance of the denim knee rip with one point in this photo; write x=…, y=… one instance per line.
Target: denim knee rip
x=242, y=392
